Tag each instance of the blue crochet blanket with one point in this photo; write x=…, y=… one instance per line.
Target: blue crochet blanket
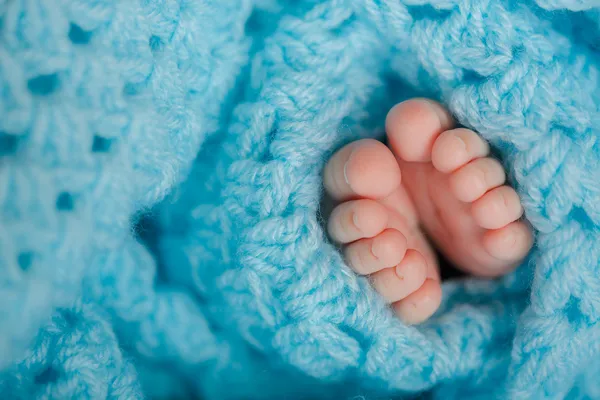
x=160, y=164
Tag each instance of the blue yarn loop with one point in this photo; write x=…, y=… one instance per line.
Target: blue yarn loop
x=160, y=182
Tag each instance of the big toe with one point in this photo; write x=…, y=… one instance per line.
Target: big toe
x=413, y=126
x=363, y=169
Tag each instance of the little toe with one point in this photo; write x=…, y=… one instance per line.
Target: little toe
x=365, y=168
x=497, y=208
x=476, y=178
x=421, y=304
x=357, y=219
x=510, y=244
x=455, y=148
x=385, y=250
x=413, y=126
x=395, y=284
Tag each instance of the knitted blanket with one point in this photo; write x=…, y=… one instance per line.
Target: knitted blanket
x=160, y=182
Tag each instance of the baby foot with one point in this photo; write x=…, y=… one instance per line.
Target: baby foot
x=435, y=185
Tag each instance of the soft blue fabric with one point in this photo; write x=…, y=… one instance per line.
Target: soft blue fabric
x=160, y=233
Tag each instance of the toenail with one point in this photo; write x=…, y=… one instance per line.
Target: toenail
x=400, y=275
x=345, y=173
x=460, y=142
x=355, y=220
x=443, y=117
x=505, y=201
x=373, y=251
x=346, y=179
x=510, y=239
x=401, y=270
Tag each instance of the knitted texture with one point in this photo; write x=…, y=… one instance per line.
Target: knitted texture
x=160, y=182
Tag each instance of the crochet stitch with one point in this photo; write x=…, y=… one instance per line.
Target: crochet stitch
x=160, y=166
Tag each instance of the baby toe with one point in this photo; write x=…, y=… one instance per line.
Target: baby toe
x=421, y=304
x=365, y=168
x=413, y=126
x=476, y=178
x=497, y=208
x=510, y=243
x=455, y=148
x=397, y=283
x=385, y=250
x=357, y=219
